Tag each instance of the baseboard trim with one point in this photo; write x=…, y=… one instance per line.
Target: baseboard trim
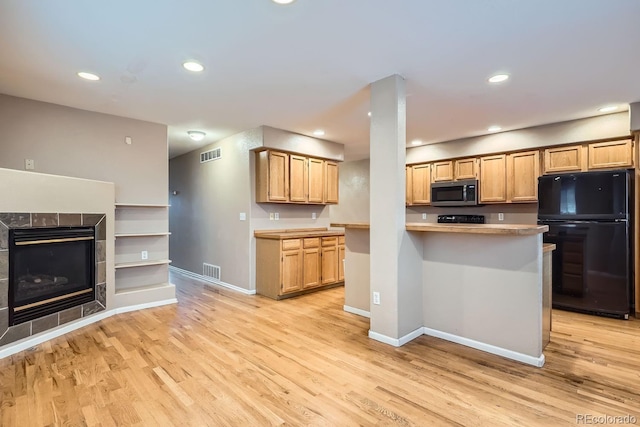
x=357, y=311
x=509, y=354
x=396, y=342
x=210, y=281
x=29, y=342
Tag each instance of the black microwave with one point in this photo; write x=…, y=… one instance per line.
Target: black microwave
x=456, y=193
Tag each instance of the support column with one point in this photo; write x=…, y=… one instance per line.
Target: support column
x=396, y=256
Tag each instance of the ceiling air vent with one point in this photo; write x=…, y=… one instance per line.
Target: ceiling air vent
x=210, y=155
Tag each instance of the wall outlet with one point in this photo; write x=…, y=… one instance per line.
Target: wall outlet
x=424, y=216
x=145, y=255
x=313, y=215
x=277, y=216
x=29, y=164
x=270, y=216
x=376, y=298
x=500, y=216
x=243, y=216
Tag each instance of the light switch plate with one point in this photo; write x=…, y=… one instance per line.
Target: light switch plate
x=277, y=216
x=424, y=216
x=313, y=215
x=270, y=216
x=500, y=216
x=243, y=216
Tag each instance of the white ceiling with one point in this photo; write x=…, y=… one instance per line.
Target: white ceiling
x=308, y=65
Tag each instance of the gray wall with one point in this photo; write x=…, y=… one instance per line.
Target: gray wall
x=354, y=193
x=83, y=144
x=205, y=214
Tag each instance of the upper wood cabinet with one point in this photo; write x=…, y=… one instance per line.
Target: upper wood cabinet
x=442, y=171
x=331, y=182
x=570, y=158
x=272, y=176
x=316, y=181
x=466, y=168
x=493, y=182
x=408, y=175
x=523, y=170
x=292, y=178
x=611, y=154
x=298, y=178
x=421, y=184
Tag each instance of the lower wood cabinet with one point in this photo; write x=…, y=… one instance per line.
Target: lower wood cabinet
x=289, y=267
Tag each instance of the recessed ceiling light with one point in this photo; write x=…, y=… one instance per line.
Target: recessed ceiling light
x=369, y=114
x=416, y=142
x=283, y=1
x=608, y=108
x=193, y=66
x=196, y=135
x=88, y=76
x=494, y=128
x=498, y=78
x=318, y=132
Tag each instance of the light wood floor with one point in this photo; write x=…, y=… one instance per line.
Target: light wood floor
x=222, y=358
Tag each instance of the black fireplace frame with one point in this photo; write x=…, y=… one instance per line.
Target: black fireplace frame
x=57, y=304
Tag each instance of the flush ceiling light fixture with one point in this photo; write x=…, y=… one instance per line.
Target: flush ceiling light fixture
x=369, y=114
x=498, y=78
x=194, y=66
x=88, y=76
x=494, y=128
x=416, y=142
x=283, y=1
x=318, y=132
x=608, y=108
x=196, y=135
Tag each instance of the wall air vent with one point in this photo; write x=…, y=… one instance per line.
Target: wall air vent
x=210, y=155
x=211, y=271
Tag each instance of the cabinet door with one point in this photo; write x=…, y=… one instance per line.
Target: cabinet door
x=316, y=180
x=523, y=170
x=278, y=177
x=408, y=186
x=466, y=169
x=331, y=182
x=291, y=271
x=442, y=171
x=564, y=159
x=493, y=179
x=329, y=260
x=421, y=184
x=298, y=178
x=311, y=268
x=611, y=154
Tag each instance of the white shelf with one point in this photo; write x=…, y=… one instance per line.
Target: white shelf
x=145, y=263
x=142, y=234
x=145, y=296
x=143, y=288
x=140, y=205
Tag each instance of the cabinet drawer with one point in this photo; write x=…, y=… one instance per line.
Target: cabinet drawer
x=290, y=244
x=329, y=241
x=311, y=242
x=341, y=240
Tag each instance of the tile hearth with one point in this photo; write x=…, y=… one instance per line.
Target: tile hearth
x=8, y=220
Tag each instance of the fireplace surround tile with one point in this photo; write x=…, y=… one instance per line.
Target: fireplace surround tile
x=101, y=272
x=70, y=314
x=70, y=220
x=4, y=236
x=4, y=293
x=91, y=307
x=44, y=220
x=4, y=264
x=101, y=294
x=4, y=320
x=99, y=222
x=44, y=323
x=15, y=333
x=101, y=251
x=15, y=219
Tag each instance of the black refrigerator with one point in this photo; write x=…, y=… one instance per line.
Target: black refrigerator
x=590, y=218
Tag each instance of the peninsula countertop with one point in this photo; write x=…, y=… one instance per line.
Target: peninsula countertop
x=500, y=229
x=296, y=233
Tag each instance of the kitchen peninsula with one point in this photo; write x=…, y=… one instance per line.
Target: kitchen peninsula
x=482, y=286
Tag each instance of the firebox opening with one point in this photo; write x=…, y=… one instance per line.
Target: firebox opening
x=50, y=270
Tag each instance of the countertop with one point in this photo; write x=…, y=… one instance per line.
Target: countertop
x=296, y=233
x=548, y=247
x=355, y=225
x=500, y=229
